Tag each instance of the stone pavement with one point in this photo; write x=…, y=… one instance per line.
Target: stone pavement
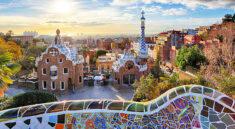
x=87, y=92
x=99, y=92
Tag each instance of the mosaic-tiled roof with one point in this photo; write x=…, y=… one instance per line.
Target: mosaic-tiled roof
x=125, y=58
x=70, y=54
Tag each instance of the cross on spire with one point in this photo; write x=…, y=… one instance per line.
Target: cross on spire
x=142, y=12
x=53, y=52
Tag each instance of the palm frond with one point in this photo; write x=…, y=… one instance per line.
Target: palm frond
x=14, y=67
x=6, y=79
x=5, y=58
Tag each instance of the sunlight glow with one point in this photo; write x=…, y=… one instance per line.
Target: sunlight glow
x=62, y=6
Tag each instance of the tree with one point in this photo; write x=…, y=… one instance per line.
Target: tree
x=28, y=63
x=169, y=81
x=233, y=17
x=114, y=45
x=124, y=43
x=12, y=48
x=34, y=51
x=228, y=18
x=35, y=40
x=219, y=54
x=220, y=37
x=97, y=54
x=191, y=56
x=203, y=36
x=10, y=33
x=198, y=80
x=7, y=69
x=100, y=53
x=225, y=81
x=85, y=51
x=147, y=88
x=156, y=69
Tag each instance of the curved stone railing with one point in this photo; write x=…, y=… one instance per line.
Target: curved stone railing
x=190, y=106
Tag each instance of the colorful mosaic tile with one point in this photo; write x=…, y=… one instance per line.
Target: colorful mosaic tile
x=196, y=107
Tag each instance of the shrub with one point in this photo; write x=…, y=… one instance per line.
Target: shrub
x=6, y=103
x=32, y=98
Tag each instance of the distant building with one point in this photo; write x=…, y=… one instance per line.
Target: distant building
x=190, y=31
x=203, y=29
x=163, y=46
x=191, y=39
x=177, y=38
x=127, y=68
x=105, y=63
x=31, y=33
x=24, y=39
x=104, y=43
x=67, y=39
x=40, y=44
x=59, y=68
x=173, y=54
x=1, y=33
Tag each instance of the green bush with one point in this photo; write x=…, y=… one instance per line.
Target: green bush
x=6, y=103
x=32, y=98
x=3, y=99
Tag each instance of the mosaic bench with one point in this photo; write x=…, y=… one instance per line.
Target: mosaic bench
x=189, y=106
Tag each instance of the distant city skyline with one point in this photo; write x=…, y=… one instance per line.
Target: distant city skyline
x=92, y=17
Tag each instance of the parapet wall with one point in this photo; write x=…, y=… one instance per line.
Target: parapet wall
x=190, y=106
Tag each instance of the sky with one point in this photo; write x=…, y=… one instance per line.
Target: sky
x=91, y=17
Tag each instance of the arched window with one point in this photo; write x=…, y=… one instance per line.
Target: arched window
x=80, y=79
x=53, y=70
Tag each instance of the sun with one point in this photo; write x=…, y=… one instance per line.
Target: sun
x=62, y=6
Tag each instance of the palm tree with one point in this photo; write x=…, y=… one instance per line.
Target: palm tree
x=7, y=69
x=85, y=52
x=169, y=81
x=228, y=18
x=10, y=33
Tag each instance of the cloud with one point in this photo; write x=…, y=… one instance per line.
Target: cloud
x=21, y=20
x=209, y=4
x=153, y=9
x=74, y=23
x=62, y=22
x=175, y=11
x=159, y=9
x=123, y=2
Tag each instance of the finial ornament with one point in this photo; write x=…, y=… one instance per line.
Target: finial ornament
x=58, y=32
x=142, y=12
x=57, y=37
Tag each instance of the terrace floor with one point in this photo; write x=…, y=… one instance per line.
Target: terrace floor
x=87, y=92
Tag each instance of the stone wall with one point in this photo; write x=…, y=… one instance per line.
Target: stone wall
x=74, y=72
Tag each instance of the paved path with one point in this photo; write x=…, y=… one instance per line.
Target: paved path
x=99, y=92
x=14, y=90
x=87, y=92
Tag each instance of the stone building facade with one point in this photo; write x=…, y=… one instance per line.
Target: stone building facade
x=127, y=70
x=59, y=68
x=105, y=63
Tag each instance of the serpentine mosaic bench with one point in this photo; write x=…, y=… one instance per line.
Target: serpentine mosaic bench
x=190, y=106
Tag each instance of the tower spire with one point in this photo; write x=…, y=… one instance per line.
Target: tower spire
x=143, y=50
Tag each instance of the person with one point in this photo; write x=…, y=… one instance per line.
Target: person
x=73, y=91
